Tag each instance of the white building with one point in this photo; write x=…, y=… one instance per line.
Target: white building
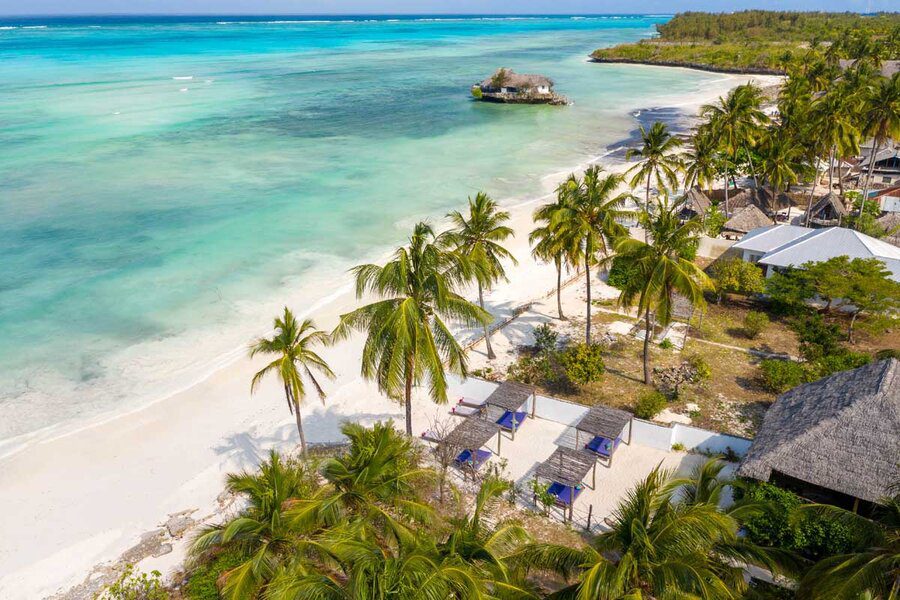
x=779, y=247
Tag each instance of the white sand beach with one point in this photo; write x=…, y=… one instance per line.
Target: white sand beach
x=80, y=500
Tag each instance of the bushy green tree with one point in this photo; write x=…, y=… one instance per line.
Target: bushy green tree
x=736, y=276
x=781, y=375
x=583, y=363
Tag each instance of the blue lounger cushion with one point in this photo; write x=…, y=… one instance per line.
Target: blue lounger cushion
x=564, y=493
x=506, y=421
x=603, y=446
x=467, y=458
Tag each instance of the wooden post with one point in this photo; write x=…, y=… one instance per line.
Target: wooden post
x=499, y=437
x=630, y=424
x=533, y=401
x=594, y=476
x=590, y=514
x=571, y=501
x=576, y=438
x=514, y=425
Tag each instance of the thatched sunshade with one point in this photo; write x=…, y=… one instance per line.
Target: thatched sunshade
x=472, y=434
x=511, y=396
x=603, y=421
x=695, y=201
x=840, y=433
x=569, y=468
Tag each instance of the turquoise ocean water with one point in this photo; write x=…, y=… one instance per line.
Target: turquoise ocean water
x=164, y=181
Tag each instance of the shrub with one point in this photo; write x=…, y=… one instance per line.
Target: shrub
x=781, y=375
x=545, y=338
x=476, y=92
x=620, y=273
x=817, y=338
x=666, y=344
x=583, y=363
x=134, y=586
x=678, y=447
x=887, y=353
x=533, y=370
x=201, y=584
x=812, y=536
x=649, y=404
x=843, y=360
x=713, y=221
x=736, y=276
x=755, y=323
x=701, y=368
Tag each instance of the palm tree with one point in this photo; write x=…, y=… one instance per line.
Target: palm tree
x=550, y=242
x=590, y=215
x=835, y=127
x=293, y=343
x=880, y=120
x=736, y=122
x=260, y=533
x=377, y=480
x=659, y=546
x=658, y=161
x=479, y=238
x=662, y=268
x=407, y=341
x=701, y=162
x=873, y=571
x=782, y=161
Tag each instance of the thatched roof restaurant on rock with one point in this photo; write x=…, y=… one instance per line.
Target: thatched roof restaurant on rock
x=507, y=86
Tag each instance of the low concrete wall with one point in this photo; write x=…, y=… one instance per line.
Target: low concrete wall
x=654, y=435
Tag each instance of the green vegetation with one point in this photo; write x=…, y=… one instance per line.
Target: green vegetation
x=781, y=375
x=135, y=586
x=202, y=582
x=649, y=404
x=755, y=323
x=736, y=276
x=583, y=363
x=761, y=41
x=620, y=273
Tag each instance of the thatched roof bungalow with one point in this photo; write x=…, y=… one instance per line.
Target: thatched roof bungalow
x=505, y=85
x=891, y=224
x=694, y=203
x=745, y=220
x=762, y=199
x=828, y=211
x=835, y=440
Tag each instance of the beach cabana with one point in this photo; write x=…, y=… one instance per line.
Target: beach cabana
x=603, y=428
x=565, y=470
x=511, y=398
x=827, y=211
x=745, y=220
x=470, y=437
x=694, y=203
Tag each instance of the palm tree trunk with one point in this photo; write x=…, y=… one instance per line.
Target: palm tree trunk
x=287, y=396
x=410, y=370
x=852, y=323
x=875, y=149
x=647, y=210
x=587, y=271
x=830, y=169
x=752, y=168
x=647, y=335
x=559, y=288
x=812, y=192
x=487, y=329
x=300, y=428
x=726, y=193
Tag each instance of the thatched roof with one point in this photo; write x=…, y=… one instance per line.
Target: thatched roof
x=604, y=421
x=510, y=395
x=517, y=80
x=566, y=466
x=840, y=433
x=747, y=219
x=696, y=201
x=829, y=206
x=471, y=434
x=761, y=198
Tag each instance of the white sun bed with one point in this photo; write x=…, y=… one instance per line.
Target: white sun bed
x=465, y=401
x=461, y=410
x=430, y=436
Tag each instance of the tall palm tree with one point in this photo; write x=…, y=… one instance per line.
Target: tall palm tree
x=658, y=546
x=701, y=161
x=590, y=215
x=736, y=122
x=479, y=239
x=293, y=344
x=259, y=534
x=551, y=242
x=835, y=126
x=873, y=571
x=880, y=120
x=662, y=268
x=407, y=341
x=782, y=161
x=658, y=163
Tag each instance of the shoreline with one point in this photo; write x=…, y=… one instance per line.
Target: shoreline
x=688, y=65
x=116, y=477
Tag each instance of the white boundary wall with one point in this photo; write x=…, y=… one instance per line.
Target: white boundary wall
x=662, y=437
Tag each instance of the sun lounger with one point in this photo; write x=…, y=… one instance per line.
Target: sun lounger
x=430, y=436
x=461, y=410
x=564, y=493
x=468, y=459
x=464, y=401
x=506, y=421
x=603, y=447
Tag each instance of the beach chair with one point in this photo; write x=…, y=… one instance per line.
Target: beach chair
x=603, y=447
x=506, y=421
x=472, y=460
x=430, y=436
x=461, y=410
x=564, y=494
x=472, y=402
